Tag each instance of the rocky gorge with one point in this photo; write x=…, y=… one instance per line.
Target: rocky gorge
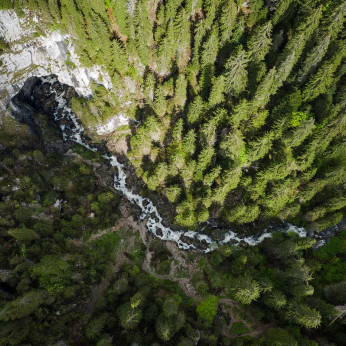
x=51, y=97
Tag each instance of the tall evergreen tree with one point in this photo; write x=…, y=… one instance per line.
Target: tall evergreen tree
x=260, y=42
x=236, y=74
x=332, y=25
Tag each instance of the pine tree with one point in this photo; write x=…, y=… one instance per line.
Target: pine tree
x=242, y=213
x=277, y=75
x=266, y=284
x=332, y=25
x=161, y=172
x=119, y=10
x=188, y=172
x=210, y=48
x=266, y=88
x=257, y=11
x=280, y=195
x=106, y=340
x=187, y=219
x=7, y=4
x=323, y=78
x=297, y=136
x=141, y=145
x=160, y=105
x=121, y=285
x=165, y=328
x=180, y=320
x=182, y=32
x=95, y=327
x=171, y=305
x=166, y=51
x=120, y=61
x=327, y=221
x=295, y=47
x=311, y=189
x=23, y=306
x=208, y=132
x=260, y=147
x=205, y=80
x=144, y=37
x=180, y=91
x=300, y=291
x=227, y=20
x=171, y=9
x=245, y=289
x=303, y=315
x=204, y=160
x=236, y=73
x=210, y=177
x=315, y=214
x=275, y=299
x=336, y=151
x=335, y=203
x=173, y=193
x=129, y=317
x=259, y=44
x=149, y=87
x=229, y=181
x=52, y=272
x=195, y=110
x=280, y=10
x=23, y=234
x=209, y=8
x=73, y=19
x=233, y=145
x=217, y=92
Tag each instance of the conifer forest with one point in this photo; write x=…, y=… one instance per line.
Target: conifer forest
x=235, y=121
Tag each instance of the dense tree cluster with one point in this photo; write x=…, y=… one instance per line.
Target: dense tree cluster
x=241, y=110
x=48, y=203
x=283, y=280
x=245, y=126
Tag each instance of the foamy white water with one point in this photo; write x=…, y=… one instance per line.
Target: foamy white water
x=75, y=132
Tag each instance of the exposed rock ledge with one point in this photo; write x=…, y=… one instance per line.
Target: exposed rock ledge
x=30, y=54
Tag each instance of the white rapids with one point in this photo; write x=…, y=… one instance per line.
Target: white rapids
x=149, y=211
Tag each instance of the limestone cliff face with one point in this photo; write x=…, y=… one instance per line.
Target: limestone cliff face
x=32, y=53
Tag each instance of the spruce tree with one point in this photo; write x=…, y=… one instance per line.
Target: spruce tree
x=236, y=73
x=227, y=20
x=129, y=317
x=246, y=290
x=259, y=44
x=280, y=10
x=303, y=315
x=332, y=25
x=275, y=299
x=23, y=306
x=323, y=78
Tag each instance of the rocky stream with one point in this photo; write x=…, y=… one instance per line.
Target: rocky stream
x=52, y=98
